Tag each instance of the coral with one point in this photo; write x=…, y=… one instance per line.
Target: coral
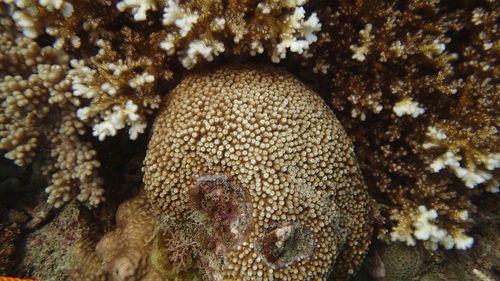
x=400, y=262
x=29, y=17
x=38, y=109
x=419, y=225
x=203, y=29
x=275, y=140
x=86, y=266
x=420, y=75
x=44, y=97
x=124, y=252
x=73, y=163
x=414, y=83
x=57, y=63
x=108, y=81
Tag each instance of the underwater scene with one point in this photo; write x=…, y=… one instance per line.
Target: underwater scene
x=271, y=140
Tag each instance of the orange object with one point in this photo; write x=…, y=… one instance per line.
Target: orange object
x=5, y=278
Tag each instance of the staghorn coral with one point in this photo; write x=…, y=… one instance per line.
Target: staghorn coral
x=421, y=76
x=31, y=19
x=277, y=141
x=108, y=83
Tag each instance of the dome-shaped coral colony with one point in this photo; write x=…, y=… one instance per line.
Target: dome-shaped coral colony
x=268, y=165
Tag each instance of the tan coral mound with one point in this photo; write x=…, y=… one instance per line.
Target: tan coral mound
x=271, y=136
x=124, y=252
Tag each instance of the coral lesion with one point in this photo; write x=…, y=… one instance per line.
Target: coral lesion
x=284, y=244
x=226, y=208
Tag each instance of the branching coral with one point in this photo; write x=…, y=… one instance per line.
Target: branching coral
x=203, y=29
x=108, y=83
x=49, y=96
x=107, y=68
x=421, y=76
x=38, y=109
x=30, y=17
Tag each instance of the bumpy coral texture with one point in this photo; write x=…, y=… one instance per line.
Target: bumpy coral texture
x=124, y=252
x=279, y=141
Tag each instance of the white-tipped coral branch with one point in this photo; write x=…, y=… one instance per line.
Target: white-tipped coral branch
x=138, y=7
x=467, y=168
x=200, y=31
x=298, y=34
x=408, y=107
x=105, y=84
x=117, y=119
x=420, y=225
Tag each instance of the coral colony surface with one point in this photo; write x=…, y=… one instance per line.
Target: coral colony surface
x=278, y=139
